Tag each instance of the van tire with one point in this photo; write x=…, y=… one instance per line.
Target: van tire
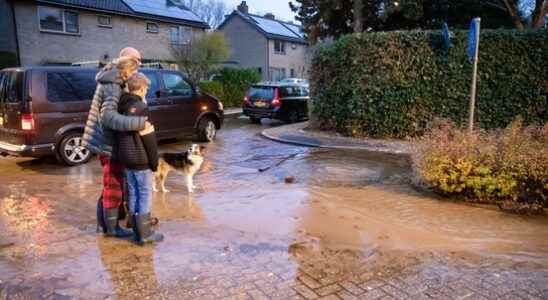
x=71, y=152
x=207, y=130
x=292, y=117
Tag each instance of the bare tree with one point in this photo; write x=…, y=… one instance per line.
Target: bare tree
x=515, y=8
x=211, y=11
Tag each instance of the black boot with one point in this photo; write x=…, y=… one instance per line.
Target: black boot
x=100, y=217
x=111, y=223
x=144, y=230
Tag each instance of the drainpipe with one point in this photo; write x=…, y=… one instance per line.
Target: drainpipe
x=17, y=54
x=268, y=60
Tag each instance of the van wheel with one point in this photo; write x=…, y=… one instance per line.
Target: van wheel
x=207, y=130
x=292, y=117
x=71, y=152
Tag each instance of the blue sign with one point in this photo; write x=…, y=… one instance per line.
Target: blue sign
x=473, y=37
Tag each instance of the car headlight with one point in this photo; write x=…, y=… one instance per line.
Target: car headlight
x=221, y=106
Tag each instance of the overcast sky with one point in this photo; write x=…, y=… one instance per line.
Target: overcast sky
x=280, y=8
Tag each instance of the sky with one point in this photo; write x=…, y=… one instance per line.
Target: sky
x=280, y=8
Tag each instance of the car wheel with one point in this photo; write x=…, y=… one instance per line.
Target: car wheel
x=255, y=120
x=292, y=116
x=71, y=152
x=207, y=130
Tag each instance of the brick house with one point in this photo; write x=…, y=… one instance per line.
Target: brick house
x=68, y=31
x=277, y=49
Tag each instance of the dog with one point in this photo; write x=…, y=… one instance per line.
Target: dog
x=188, y=163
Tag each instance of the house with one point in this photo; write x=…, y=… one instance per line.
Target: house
x=69, y=31
x=275, y=48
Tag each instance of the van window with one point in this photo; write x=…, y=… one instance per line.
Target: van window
x=176, y=85
x=12, y=87
x=65, y=86
x=293, y=91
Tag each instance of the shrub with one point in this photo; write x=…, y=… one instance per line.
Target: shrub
x=494, y=167
x=393, y=84
x=231, y=85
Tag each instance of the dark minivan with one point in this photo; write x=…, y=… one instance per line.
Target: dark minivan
x=43, y=110
x=283, y=101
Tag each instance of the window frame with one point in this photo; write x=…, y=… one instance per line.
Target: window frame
x=63, y=19
x=280, y=51
x=103, y=25
x=153, y=31
x=180, y=29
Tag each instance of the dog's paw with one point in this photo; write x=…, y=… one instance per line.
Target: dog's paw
x=165, y=191
x=155, y=190
x=191, y=191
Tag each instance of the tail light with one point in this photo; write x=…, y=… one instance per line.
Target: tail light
x=276, y=101
x=27, y=122
x=246, y=99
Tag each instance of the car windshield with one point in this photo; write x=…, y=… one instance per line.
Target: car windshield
x=261, y=92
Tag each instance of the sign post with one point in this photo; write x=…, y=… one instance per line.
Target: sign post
x=473, y=54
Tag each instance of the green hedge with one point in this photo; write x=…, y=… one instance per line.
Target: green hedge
x=393, y=84
x=230, y=85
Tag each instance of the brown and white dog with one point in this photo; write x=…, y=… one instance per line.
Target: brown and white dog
x=186, y=163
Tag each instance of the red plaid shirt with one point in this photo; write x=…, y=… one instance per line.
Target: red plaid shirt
x=113, y=182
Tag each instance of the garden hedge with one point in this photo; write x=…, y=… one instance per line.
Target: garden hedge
x=393, y=84
x=230, y=85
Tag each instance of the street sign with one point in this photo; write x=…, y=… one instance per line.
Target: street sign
x=473, y=38
x=446, y=35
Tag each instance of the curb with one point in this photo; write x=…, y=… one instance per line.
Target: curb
x=266, y=133
x=233, y=115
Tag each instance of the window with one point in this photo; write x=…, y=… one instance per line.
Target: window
x=277, y=74
x=154, y=85
x=294, y=91
x=12, y=87
x=176, y=85
x=180, y=35
x=152, y=27
x=104, y=21
x=292, y=72
x=261, y=92
x=58, y=20
x=279, y=47
x=71, y=86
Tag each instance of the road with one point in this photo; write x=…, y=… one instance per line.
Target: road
x=351, y=226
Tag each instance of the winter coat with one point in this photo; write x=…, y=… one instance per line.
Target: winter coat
x=104, y=119
x=136, y=151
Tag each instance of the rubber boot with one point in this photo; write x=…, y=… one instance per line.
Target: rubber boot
x=111, y=223
x=101, y=227
x=145, y=232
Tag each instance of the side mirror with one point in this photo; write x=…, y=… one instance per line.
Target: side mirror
x=196, y=90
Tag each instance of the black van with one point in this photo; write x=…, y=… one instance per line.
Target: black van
x=283, y=101
x=43, y=110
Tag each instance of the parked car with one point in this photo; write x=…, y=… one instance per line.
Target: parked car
x=283, y=101
x=300, y=81
x=43, y=110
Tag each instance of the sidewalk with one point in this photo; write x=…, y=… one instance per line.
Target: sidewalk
x=233, y=113
x=298, y=134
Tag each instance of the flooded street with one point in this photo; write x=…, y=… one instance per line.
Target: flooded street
x=350, y=227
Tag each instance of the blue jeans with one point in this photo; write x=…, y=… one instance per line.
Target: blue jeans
x=139, y=183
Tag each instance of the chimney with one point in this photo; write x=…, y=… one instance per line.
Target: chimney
x=243, y=8
x=270, y=16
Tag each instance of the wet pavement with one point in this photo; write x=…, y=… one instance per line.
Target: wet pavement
x=350, y=227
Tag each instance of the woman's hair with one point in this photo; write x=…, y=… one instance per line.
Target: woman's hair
x=126, y=67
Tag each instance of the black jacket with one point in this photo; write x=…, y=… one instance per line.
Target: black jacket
x=136, y=152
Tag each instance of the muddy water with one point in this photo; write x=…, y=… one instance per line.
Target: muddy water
x=345, y=215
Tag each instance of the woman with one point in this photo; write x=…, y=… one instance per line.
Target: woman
x=100, y=133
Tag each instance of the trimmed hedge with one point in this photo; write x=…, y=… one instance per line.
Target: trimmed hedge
x=393, y=84
x=231, y=85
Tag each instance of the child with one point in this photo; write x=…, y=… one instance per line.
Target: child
x=138, y=153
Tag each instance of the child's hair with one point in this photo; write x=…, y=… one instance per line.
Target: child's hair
x=126, y=66
x=137, y=81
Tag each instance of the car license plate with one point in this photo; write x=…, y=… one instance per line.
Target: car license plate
x=260, y=104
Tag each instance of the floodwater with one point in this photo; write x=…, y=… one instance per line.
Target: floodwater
x=347, y=218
